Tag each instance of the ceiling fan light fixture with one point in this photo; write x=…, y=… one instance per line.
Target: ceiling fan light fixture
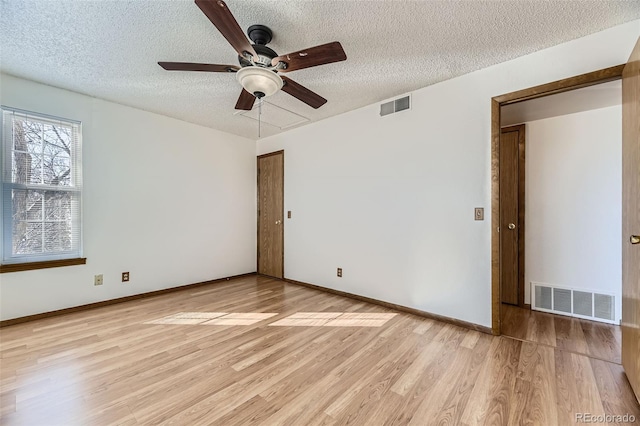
x=259, y=81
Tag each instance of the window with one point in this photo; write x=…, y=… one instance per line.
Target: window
x=41, y=188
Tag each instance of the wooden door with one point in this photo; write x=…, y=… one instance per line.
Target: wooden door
x=631, y=219
x=271, y=214
x=512, y=215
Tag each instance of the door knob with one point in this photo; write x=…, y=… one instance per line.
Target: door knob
x=512, y=226
x=278, y=222
x=635, y=239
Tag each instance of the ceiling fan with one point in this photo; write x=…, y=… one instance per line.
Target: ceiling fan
x=260, y=67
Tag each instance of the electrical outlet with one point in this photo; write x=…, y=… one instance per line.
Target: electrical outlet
x=125, y=277
x=479, y=213
x=340, y=272
x=97, y=279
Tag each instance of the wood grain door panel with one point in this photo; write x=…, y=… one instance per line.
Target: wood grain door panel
x=271, y=214
x=512, y=215
x=631, y=219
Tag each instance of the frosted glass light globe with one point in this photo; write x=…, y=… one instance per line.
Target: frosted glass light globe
x=259, y=80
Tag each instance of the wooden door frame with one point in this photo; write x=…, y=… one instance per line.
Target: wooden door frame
x=520, y=128
x=258, y=207
x=560, y=86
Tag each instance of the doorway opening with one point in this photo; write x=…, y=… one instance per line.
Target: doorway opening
x=573, y=219
x=566, y=85
x=511, y=301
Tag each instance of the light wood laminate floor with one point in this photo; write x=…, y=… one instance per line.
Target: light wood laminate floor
x=591, y=338
x=111, y=365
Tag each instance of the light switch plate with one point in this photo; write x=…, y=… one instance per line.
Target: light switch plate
x=479, y=213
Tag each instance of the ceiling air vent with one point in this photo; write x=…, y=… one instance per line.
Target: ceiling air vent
x=400, y=104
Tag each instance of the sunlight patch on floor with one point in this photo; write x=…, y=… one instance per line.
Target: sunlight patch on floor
x=214, y=318
x=335, y=319
x=299, y=319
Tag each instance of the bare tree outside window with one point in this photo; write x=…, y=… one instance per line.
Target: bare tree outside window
x=44, y=189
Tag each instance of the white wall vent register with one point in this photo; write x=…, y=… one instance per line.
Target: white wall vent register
x=575, y=303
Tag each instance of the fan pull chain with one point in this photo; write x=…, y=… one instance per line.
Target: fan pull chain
x=259, y=116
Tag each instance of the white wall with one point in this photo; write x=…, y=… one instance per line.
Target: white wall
x=390, y=200
x=173, y=203
x=573, y=214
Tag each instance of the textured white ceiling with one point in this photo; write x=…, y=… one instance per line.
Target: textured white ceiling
x=110, y=48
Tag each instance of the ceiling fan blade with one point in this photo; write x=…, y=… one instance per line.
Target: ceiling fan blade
x=312, y=57
x=245, y=101
x=189, y=66
x=305, y=95
x=220, y=16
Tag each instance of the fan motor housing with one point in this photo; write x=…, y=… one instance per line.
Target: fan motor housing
x=265, y=55
x=260, y=34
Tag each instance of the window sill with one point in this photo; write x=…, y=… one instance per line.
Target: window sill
x=17, y=267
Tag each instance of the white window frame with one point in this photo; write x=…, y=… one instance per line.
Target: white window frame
x=7, y=186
